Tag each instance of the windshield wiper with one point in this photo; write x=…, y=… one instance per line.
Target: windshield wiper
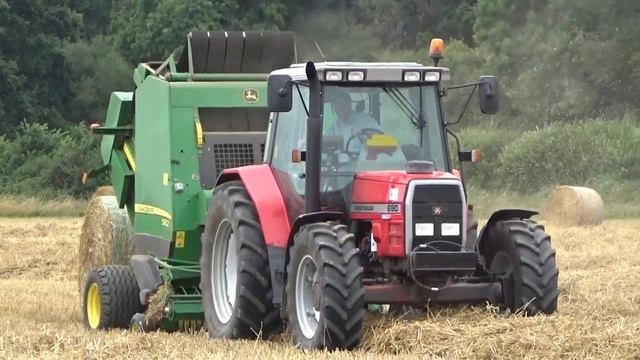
x=405, y=106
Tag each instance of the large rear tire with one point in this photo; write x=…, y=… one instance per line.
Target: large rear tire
x=521, y=251
x=325, y=295
x=235, y=280
x=110, y=297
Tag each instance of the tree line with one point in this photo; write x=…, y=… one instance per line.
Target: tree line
x=557, y=60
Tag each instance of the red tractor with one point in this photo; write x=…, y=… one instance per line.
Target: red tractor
x=357, y=203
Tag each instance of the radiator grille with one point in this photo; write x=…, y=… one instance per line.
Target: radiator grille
x=232, y=155
x=437, y=204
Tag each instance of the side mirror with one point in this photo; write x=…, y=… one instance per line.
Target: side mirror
x=469, y=156
x=489, y=95
x=279, y=95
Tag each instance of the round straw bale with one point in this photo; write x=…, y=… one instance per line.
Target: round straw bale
x=574, y=206
x=103, y=191
x=106, y=236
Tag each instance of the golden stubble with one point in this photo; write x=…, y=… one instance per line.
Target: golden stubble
x=598, y=312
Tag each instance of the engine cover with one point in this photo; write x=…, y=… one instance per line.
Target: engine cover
x=424, y=212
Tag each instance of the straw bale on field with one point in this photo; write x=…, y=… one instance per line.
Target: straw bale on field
x=103, y=191
x=574, y=206
x=105, y=236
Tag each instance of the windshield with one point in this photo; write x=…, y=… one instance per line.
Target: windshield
x=365, y=128
x=383, y=127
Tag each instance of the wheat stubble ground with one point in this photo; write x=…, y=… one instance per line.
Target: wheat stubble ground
x=598, y=317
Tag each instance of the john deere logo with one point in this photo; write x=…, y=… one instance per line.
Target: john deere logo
x=251, y=95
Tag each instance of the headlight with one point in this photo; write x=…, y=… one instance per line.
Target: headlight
x=412, y=76
x=432, y=76
x=333, y=75
x=355, y=76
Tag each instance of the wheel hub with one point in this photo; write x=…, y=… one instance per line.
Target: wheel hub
x=502, y=266
x=316, y=295
x=93, y=306
x=224, y=270
x=307, y=297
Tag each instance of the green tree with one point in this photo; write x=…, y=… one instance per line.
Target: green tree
x=33, y=84
x=150, y=30
x=561, y=59
x=96, y=69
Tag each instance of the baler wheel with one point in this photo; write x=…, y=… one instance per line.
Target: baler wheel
x=110, y=297
x=521, y=252
x=324, y=292
x=235, y=280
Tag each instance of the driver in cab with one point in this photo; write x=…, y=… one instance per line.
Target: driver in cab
x=349, y=123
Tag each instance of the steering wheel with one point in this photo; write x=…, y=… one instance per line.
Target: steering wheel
x=362, y=135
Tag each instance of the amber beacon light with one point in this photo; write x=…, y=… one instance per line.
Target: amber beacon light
x=436, y=49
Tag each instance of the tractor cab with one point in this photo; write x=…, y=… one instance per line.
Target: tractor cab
x=373, y=125
x=378, y=121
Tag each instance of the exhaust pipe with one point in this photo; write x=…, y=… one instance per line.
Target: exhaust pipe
x=314, y=142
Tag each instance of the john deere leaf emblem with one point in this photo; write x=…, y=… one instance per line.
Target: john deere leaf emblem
x=251, y=95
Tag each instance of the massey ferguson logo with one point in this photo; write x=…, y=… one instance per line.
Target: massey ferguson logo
x=436, y=210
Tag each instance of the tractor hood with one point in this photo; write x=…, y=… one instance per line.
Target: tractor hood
x=402, y=177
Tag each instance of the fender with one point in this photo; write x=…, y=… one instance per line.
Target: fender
x=267, y=198
x=504, y=214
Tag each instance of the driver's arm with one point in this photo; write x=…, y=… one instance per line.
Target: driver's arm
x=366, y=121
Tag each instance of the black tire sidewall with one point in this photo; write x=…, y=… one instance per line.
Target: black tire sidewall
x=500, y=240
x=222, y=208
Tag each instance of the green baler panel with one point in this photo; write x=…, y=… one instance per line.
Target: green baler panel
x=170, y=201
x=218, y=94
x=153, y=196
x=119, y=113
x=121, y=178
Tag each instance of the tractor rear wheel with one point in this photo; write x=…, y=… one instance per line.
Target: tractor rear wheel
x=235, y=280
x=110, y=297
x=521, y=252
x=324, y=292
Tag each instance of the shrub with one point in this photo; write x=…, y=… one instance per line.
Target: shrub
x=571, y=154
x=490, y=142
x=47, y=162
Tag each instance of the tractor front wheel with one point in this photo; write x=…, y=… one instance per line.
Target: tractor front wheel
x=324, y=292
x=520, y=252
x=235, y=280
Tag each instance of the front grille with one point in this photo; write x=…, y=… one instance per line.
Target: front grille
x=232, y=155
x=437, y=204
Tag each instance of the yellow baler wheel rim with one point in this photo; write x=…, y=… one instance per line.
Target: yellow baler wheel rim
x=93, y=306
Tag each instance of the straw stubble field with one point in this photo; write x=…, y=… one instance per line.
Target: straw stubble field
x=599, y=308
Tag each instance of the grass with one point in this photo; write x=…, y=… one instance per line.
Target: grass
x=621, y=200
x=598, y=314
x=15, y=206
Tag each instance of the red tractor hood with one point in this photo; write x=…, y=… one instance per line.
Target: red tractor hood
x=401, y=177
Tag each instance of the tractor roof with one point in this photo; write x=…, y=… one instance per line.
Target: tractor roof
x=371, y=71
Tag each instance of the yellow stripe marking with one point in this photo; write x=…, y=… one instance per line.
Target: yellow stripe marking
x=179, y=239
x=129, y=156
x=199, y=138
x=152, y=210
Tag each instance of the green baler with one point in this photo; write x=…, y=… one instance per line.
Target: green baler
x=164, y=146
